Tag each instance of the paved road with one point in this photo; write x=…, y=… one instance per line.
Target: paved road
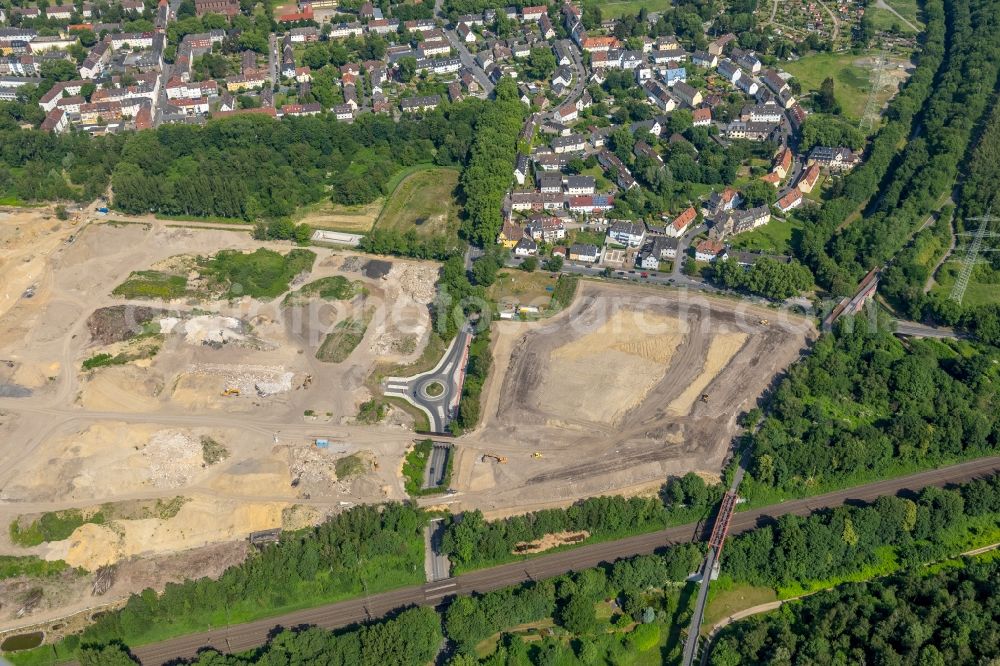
x=914, y=330
x=449, y=374
x=463, y=53
x=246, y=636
x=436, y=564
x=437, y=465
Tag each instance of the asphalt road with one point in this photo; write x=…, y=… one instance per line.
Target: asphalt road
x=449, y=374
x=914, y=330
x=436, y=563
x=437, y=465
x=253, y=634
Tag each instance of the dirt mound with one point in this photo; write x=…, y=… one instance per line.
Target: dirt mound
x=120, y=322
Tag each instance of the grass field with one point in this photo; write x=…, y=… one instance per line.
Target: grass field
x=346, y=336
x=152, y=284
x=423, y=200
x=619, y=8
x=775, y=237
x=260, y=274
x=981, y=290
x=517, y=286
x=726, y=597
x=884, y=19
x=351, y=219
x=333, y=288
x=851, y=81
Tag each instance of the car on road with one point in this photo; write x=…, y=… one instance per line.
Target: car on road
x=645, y=275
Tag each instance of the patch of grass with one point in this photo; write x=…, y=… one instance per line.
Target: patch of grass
x=152, y=285
x=333, y=288
x=435, y=389
x=523, y=288
x=344, y=338
x=619, y=8
x=262, y=273
x=983, y=286
x=104, y=360
x=51, y=526
x=851, y=82
x=776, y=237
x=212, y=451
x=350, y=466
x=564, y=292
x=423, y=201
x=420, y=421
x=337, y=217
x=371, y=411
x=726, y=597
x=585, y=237
x=12, y=566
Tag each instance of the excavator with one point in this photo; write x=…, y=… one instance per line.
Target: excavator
x=500, y=459
x=536, y=454
x=231, y=391
x=763, y=322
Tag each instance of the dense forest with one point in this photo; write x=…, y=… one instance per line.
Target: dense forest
x=244, y=167
x=950, y=616
x=834, y=544
x=864, y=404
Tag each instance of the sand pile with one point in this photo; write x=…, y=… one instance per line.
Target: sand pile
x=213, y=329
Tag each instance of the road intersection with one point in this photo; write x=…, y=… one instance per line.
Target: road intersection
x=436, y=392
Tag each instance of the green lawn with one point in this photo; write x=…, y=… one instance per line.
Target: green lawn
x=424, y=201
x=726, y=597
x=982, y=290
x=619, y=8
x=851, y=81
x=775, y=237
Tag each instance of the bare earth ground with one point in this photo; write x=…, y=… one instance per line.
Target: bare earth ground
x=75, y=438
x=609, y=393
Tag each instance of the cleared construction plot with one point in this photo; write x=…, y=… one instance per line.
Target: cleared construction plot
x=626, y=386
x=115, y=404
x=423, y=201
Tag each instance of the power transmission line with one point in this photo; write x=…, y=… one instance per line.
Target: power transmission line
x=871, y=113
x=972, y=255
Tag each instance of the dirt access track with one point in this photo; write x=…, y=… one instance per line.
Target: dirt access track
x=609, y=393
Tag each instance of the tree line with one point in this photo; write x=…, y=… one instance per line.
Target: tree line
x=490, y=167
x=836, y=266
x=363, y=550
x=473, y=542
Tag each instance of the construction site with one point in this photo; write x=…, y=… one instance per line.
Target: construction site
x=158, y=406
x=626, y=387
x=218, y=401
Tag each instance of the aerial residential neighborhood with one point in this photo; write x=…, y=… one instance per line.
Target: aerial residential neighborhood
x=462, y=332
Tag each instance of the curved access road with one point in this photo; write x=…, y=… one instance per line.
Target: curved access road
x=253, y=634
